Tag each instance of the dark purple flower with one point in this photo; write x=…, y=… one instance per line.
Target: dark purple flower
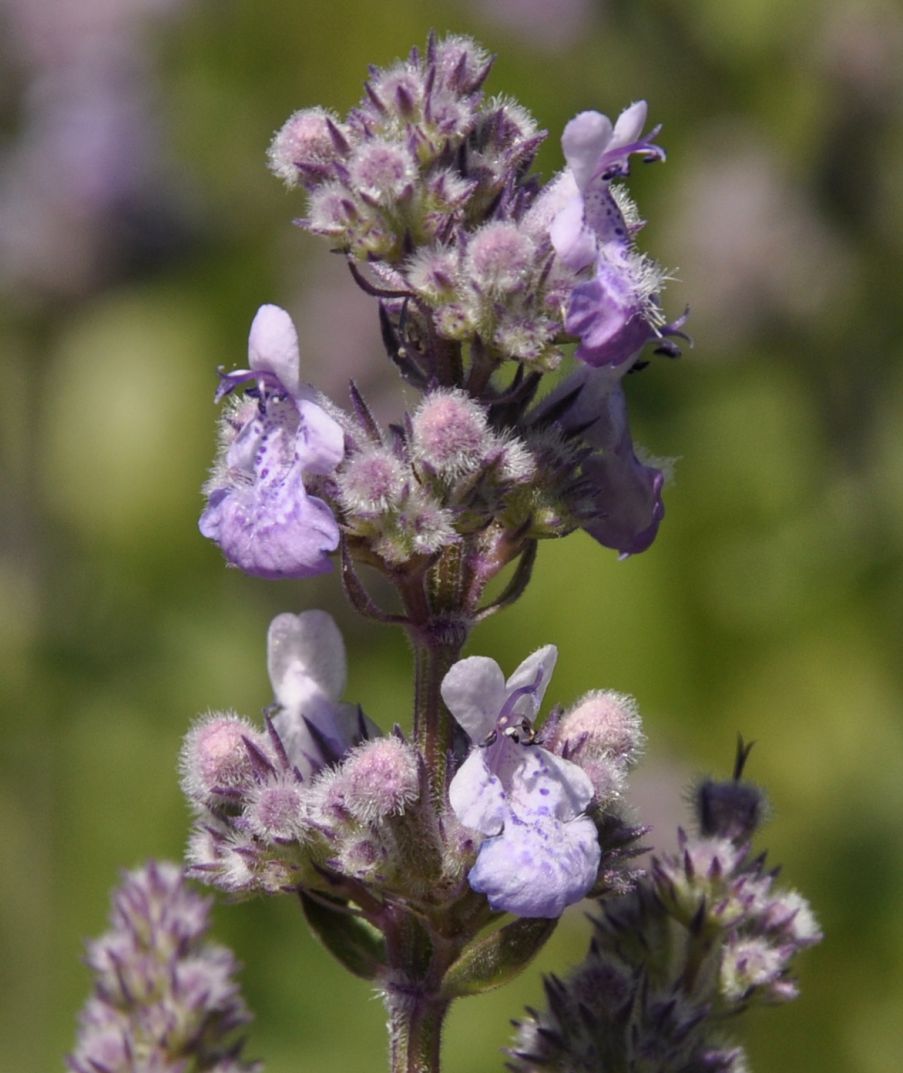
x=620, y=498
x=627, y=505
x=539, y=853
x=258, y=510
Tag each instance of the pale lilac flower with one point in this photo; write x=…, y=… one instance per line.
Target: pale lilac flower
x=307, y=665
x=259, y=510
x=539, y=853
x=616, y=312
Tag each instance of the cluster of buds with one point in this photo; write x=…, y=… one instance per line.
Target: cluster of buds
x=314, y=798
x=701, y=938
x=320, y=801
x=165, y=999
x=429, y=182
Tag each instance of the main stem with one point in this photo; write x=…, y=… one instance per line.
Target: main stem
x=432, y=723
x=415, y=1032
x=438, y=627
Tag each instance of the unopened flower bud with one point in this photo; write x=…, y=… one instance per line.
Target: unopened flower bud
x=515, y=461
x=304, y=148
x=529, y=339
x=455, y=321
x=450, y=433
x=753, y=964
x=702, y=873
x=500, y=258
x=331, y=210
x=399, y=89
x=447, y=191
x=461, y=64
x=729, y=808
x=215, y=763
x=432, y=273
x=379, y=779
x=427, y=527
x=277, y=811
x=382, y=171
x=603, y=734
x=789, y=916
x=372, y=482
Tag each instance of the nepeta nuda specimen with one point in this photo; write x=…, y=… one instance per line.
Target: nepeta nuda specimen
x=405, y=847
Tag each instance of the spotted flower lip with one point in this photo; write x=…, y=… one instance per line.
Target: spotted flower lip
x=258, y=509
x=539, y=852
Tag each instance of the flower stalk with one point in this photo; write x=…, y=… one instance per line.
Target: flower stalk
x=408, y=850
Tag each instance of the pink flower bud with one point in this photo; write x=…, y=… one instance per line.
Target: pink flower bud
x=500, y=258
x=305, y=146
x=215, y=765
x=451, y=433
x=602, y=734
x=373, y=482
x=277, y=811
x=378, y=780
x=382, y=171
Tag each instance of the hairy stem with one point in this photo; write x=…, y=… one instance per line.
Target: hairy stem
x=417, y=963
x=437, y=628
x=433, y=726
x=415, y=1032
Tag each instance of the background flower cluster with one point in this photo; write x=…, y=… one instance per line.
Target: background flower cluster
x=130, y=267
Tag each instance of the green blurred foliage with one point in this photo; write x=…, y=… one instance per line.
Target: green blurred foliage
x=772, y=602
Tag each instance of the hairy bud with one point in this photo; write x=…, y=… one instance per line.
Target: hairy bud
x=305, y=147
x=450, y=433
x=378, y=780
x=215, y=763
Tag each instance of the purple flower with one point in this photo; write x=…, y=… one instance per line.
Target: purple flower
x=539, y=852
x=258, y=510
x=626, y=507
x=616, y=312
x=620, y=498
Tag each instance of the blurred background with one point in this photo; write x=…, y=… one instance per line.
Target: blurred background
x=139, y=232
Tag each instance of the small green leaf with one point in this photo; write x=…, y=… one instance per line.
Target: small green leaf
x=497, y=958
x=352, y=941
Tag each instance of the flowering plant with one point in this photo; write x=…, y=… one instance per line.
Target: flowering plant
x=437, y=860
